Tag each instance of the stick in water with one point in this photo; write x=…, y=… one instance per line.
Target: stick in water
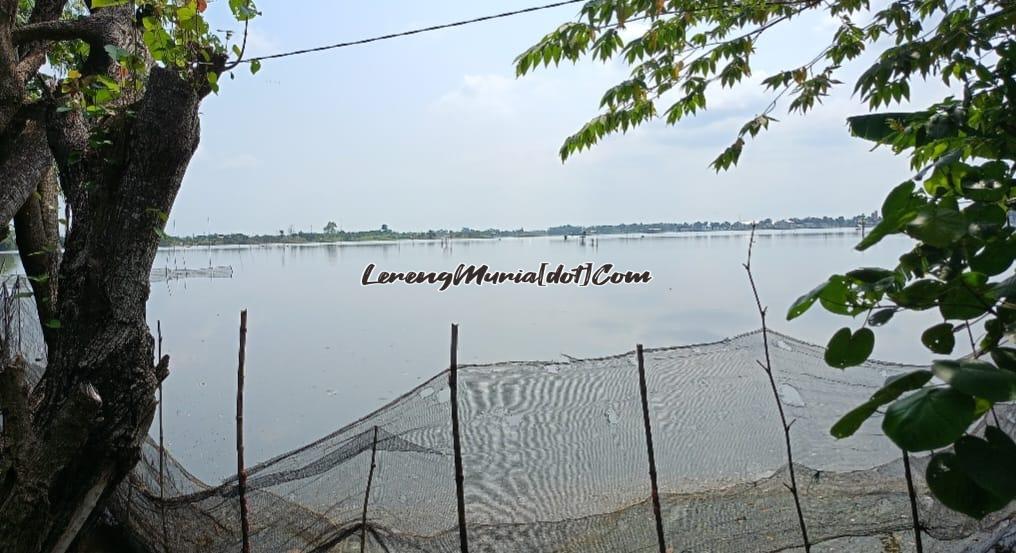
x=366, y=496
x=768, y=368
x=649, y=448
x=241, y=470
x=453, y=385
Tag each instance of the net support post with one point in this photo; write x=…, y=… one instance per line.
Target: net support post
x=241, y=469
x=367, y=494
x=453, y=386
x=649, y=449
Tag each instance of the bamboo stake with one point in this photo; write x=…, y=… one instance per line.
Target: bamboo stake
x=241, y=470
x=453, y=385
x=649, y=448
x=366, y=496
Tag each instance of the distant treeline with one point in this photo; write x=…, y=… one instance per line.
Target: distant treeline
x=331, y=234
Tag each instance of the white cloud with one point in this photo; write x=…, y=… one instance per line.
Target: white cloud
x=490, y=93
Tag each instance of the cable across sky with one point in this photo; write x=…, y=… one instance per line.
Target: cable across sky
x=412, y=32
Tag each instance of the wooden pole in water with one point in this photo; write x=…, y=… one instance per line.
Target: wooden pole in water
x=453, y=386
x=366, y=496
x=649, y=449
x=241, y=470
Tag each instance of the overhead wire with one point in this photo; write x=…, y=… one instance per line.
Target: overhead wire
x=411, y=32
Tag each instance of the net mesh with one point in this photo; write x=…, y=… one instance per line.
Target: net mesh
x=555, y=460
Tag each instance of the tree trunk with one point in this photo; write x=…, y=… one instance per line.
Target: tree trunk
x=93, y=407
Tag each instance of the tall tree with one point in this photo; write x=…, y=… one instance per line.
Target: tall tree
x=98, y=103
x=962, y=150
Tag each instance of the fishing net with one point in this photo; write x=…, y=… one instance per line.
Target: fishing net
x=164, y=274
x=555, y=460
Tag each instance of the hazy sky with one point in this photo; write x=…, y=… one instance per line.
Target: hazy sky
x=435, y=131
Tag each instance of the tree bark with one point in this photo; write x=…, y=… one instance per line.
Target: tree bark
x=96, y=400
x=68, y=441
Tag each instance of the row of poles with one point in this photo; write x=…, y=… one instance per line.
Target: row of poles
x=456, y=447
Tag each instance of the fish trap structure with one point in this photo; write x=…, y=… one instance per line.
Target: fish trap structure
x=554, y=459
x=166, y=274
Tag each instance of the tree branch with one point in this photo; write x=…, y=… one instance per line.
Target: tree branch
x=15, y=407
x=90, y=29
x=33, y=54
x=21, y=171
x=38, y=238
x=67, y=133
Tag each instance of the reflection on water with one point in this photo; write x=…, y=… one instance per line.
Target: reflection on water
x=324, y=350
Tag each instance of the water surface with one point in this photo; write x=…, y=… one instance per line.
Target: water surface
x=323, y=350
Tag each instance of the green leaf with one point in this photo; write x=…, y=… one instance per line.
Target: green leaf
x=876, y=127
x=213, y=81
x=962, y=301
x=899, y=208
x=849, y=423
x=995, y=258
x=929, y=419
x=937, y=226
x=52, y=323
x=900, y=201
x=978, y=379
x=847, y=350
x=108, y=3
x=1005, y=289
x=871, y=275
x=984, y=219
x=955, y=489
x=893, y=388
x=805, y=302
x=882, y=316
x=1004, y=357
x=988, y=190
x=989, y=461
x=255, y=66
x=835, y=297
x=186, y=12
x=919, y=295
x=939, y=338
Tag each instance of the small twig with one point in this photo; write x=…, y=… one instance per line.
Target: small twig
x=768, y=367
x=241, y=469
x=913, y=503
x=973, y=346
x=243, y=49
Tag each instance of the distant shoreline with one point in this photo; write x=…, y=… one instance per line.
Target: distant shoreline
x=589, y=238
x=385, y=235
x=566, y=232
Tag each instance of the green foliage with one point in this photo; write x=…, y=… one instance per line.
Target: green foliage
x=848, y=349
x=174, y=34
x=962, y=151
